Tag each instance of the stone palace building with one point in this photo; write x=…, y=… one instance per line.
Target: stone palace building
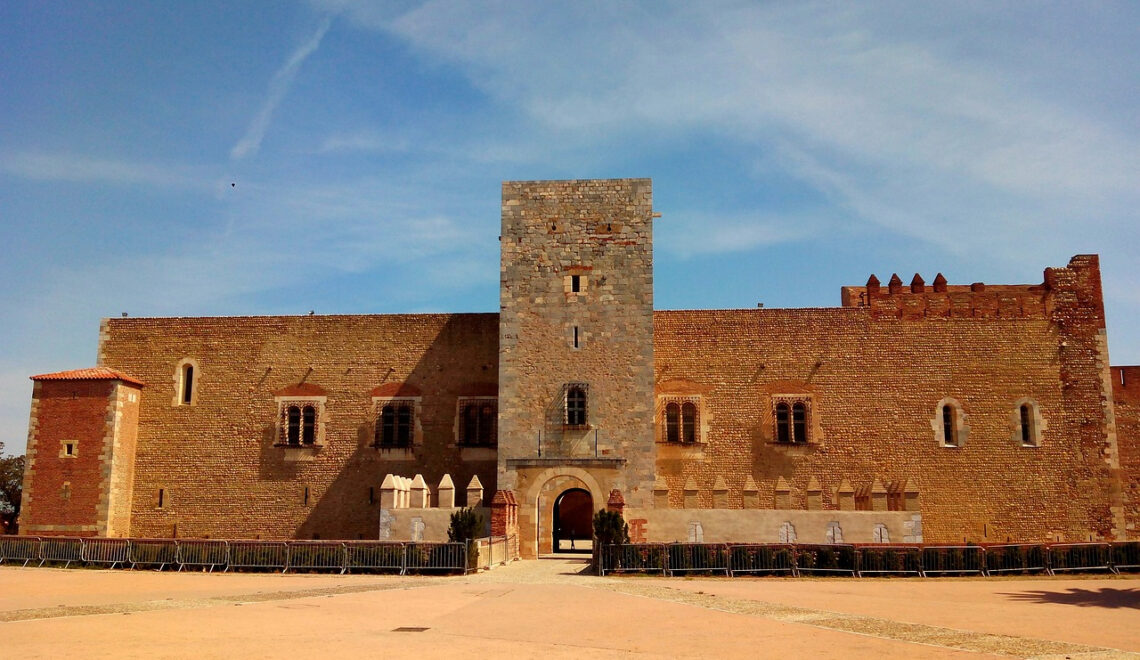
x=911, y=412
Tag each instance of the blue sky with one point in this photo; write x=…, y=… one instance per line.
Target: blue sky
x=794, y=148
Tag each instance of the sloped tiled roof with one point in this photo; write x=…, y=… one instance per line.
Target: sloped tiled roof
x=94, y=373
x=301, y=389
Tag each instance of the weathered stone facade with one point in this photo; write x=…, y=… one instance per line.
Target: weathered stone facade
x=576, y=298
x=927, y=412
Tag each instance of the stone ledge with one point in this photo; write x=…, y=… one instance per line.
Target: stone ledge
x=588, y=462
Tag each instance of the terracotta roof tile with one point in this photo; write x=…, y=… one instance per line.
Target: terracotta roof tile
x=396, y=389
x=94, y=373
x=301, y=389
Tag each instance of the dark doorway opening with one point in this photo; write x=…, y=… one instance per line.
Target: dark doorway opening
x=574, y=521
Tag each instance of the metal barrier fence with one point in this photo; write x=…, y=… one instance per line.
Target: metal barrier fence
x=153, y=552
x=63, y=549
x=374, y=555
x=1016, y=558
x=420, y=557
x=953, y=560
x=203, y=554
x=668, y=559
x=759, y=559
x=23, y=549
x=631, y=558
x=1080, y=557
x=113, y=552
x=259, y=554
x=492, y=551
x=697, y=557
x=826, y=558
x=315, y=555
x=1126, y=556
x=889, y=560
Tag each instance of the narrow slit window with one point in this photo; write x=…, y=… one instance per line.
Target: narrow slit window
x=470, y=424
x=187, y=383
x=161, y=498
x=688, y=423
x=404, y=425
x=783, y=423
x=673, y=423
x=576, y=283
x=371, y=494
x=308, y=425
x=799, y=423
x=488, y=424
x=306, y=496
x=575, y=336
x=948, y=425
x=293, y=423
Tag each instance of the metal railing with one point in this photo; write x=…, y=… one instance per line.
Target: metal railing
x=113, y=552
x=953, y=560
x=421, y=557
x=665, y=558
x=697, y=558
x=263, y=555
x=1016, y=558
x=1080, y=557
x=826, y=558
x=890, y=560
x=374, y=555
x=204, y=553
x=152, y=552
x=762, y=559
x=61, y=549
x=316, y=555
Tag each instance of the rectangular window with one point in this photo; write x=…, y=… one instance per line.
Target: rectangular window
x=478, y=422
x=576, y=283
x=69, y=449
x=161, y=498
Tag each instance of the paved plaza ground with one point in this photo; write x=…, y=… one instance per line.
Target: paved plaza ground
x=546, y=609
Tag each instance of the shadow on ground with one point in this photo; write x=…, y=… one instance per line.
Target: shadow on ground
x=1107, y=597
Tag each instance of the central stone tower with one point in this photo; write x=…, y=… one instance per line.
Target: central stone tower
x=575, y=347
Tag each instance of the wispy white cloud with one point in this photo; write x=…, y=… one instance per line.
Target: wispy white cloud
x=728, y=233
x=279, y=85
x=873, y=104
x=80, y=168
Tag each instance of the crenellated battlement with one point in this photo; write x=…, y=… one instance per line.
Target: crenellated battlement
x=978, y=300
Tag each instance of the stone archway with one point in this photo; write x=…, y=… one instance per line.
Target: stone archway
x=537, y=523
x=572, y=521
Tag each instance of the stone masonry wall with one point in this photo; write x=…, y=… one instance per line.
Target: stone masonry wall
x=602, y=336
x=1126, y=397
x=219, y=463
x=874, y=381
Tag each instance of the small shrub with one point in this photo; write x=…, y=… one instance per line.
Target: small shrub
x=466, y=526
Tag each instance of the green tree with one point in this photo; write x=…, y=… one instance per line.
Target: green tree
x=466, y=525
x=11, y=484
x=610, y=528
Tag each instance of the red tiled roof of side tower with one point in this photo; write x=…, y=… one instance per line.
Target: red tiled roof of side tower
x=93, y=373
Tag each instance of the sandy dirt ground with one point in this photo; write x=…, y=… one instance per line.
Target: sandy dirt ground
x=547, y=609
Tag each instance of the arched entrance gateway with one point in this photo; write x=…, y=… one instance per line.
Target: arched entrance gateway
x=573, y=528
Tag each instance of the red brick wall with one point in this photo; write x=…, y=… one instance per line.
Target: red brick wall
x=216, y=461
x=66, y=411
